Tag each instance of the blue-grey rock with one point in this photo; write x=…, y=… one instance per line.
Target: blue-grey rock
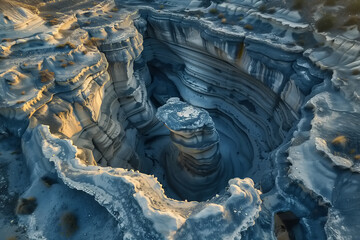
x=276, y=103
x=194, y=167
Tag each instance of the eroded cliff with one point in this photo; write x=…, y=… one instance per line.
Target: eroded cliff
x=81, y=91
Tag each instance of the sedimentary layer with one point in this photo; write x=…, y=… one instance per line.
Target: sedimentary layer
x=81, y=91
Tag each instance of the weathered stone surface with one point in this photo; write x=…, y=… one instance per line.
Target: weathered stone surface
x=193, y=163
x=281, y=103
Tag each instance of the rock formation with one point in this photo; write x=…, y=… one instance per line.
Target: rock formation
x=193, y=163
x=266, y=103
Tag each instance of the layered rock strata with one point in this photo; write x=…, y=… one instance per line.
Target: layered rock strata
x=91, y=78
x=73, y=92
x=193, y=162
x=122, y=45
x=137, y=200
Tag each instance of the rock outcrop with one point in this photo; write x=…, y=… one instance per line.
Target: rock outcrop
x=262, y=97
x=193, y=163
x=120, y=191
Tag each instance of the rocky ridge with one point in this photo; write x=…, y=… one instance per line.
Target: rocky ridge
x=93, y=77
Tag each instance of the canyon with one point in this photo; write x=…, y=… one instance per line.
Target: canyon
x=167, y=122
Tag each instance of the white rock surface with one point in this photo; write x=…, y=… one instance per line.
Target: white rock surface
x=81, y=87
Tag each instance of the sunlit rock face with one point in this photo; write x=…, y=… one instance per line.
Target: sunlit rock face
x=178, y=124
x=193, y=163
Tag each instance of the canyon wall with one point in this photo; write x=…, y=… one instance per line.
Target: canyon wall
x=82, y=92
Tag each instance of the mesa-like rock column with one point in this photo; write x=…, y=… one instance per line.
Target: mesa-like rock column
x=193, y=162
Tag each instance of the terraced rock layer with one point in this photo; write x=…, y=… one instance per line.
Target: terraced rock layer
x=96, y=76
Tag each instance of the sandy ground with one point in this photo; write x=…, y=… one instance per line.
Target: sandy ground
x=13, y=182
